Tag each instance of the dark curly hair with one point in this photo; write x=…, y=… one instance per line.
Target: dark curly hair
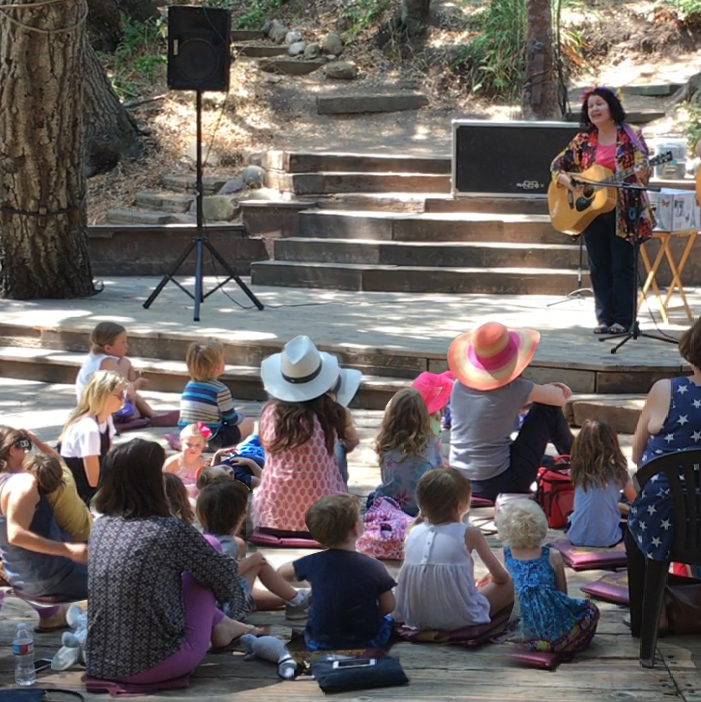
x=690, y=344
x=618, y=114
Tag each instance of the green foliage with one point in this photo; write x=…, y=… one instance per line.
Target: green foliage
x=494, y=62
x=688, y=7
x=362, y=13
x=255, y=14
x=138, y=59
x=692, y=124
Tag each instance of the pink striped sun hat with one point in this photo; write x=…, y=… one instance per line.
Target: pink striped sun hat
x=491, y=356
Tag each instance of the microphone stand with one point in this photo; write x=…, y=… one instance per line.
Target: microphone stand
x=634, y=215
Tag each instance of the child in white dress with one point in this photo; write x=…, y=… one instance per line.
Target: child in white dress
x=436, y=588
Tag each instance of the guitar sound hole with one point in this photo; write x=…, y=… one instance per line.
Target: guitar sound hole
x=582, y=203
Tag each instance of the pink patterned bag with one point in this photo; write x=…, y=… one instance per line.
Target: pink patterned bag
x=384, y=529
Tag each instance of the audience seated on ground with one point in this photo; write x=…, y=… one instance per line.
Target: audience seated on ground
x=343, y=581
x=299, y=428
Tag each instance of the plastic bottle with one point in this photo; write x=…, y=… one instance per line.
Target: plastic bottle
x=23, y=650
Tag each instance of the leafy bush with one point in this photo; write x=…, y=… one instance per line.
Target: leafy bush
x=360, y=14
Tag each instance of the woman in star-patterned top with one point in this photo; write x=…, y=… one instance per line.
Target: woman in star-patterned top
x=153, y=581
x=670, y=422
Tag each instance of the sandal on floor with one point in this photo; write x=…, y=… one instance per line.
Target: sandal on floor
x=602, y=329
x=617, y=329
x=255, y=630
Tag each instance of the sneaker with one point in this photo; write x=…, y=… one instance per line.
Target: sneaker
x=298, y=611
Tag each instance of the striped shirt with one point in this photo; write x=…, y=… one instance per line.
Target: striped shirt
x=209, y=402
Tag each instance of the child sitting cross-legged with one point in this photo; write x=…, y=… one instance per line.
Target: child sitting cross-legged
x=221, y=510
x=351, y=593
x=436, y=585
x=551, y=621
x=206, y=400
x=599, y=472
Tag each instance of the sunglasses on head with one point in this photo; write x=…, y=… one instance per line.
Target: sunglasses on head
x=25, y=444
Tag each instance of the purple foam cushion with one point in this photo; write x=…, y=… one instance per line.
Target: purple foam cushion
x=131, y=424
x=590, y=558
x=612, y=587
x=117, y=689
x=43, y=600
x=174, y=441
x=264, y=538
x=535, y=659
x=467, y=636
x=480, y=502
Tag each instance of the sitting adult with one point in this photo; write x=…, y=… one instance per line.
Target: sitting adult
x=669, y=422
x=485, y=403
x=154, y=580
x=299, y=428
x=36, y=558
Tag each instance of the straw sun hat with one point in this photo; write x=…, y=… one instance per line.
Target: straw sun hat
x=301, y=372
x=491, y=356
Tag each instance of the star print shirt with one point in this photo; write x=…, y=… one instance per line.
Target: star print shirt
x=651, y=521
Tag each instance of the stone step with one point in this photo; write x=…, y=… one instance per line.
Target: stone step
x=651, y=89
x=290, y=67
x=260, y=50
x=246, y=35
x=306, y=184
x=620, y=411
x=312, y=162
x=360, y=104
x=501, y=205
x=186, y=183
x=136, y=215
x=58, y=366
x=463, y=226
x=166, y=202
x=444, y=254
x=374, y=202
x=378, y=278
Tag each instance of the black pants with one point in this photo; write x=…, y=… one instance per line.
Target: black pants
x=612, y=272
x=543, y=424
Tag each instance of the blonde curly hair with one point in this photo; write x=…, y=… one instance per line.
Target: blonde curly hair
x=522, y=524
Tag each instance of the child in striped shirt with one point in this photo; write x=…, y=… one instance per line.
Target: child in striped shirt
x=207, y=400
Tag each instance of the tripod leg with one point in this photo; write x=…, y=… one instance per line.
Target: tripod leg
x=232, y=276
x=169, y=275
x=198, y=279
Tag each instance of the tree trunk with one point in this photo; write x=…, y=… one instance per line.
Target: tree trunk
x=539, y=97
x=110, y=132
x=43, y=232
x=414, y=16
x=105, y=24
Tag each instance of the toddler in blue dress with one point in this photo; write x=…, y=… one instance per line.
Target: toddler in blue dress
x=551, y=620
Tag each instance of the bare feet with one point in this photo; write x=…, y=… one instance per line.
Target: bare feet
x=228, y=630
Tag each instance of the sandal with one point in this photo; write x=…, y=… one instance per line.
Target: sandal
x=602, y=329
x=617, y=329
x=255, y=630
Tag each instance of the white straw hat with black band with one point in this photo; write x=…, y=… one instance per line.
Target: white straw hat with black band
x=347, y=385
x=300, y=372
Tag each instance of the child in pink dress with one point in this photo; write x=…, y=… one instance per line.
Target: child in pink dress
x=189, y=462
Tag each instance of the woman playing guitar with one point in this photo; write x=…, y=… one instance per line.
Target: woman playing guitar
x=607, y=140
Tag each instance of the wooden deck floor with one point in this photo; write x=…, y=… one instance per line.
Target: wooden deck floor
x=609, y=671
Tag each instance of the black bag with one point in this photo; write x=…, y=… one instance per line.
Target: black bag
x=357, y=673
x=39, y=695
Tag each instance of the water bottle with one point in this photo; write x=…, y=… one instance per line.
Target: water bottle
x=23, y=650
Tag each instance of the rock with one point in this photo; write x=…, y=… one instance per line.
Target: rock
x=232, y=186
x=297, y=48
x=341, y=70
x=266, y=27
x=312, y=51
x=264, y=194
x=253, y=176
x=217, y=208
x=277, y=31
x=273, y=78
x=208, y=159
x=332, y=44
x=293, y=37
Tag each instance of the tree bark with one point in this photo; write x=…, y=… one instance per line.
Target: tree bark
x=110, y=132
x=539, y=96
x=414, y=15
x=104, y=21
x=43, y=232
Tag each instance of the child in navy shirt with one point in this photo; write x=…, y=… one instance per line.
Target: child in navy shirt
x=351, y=593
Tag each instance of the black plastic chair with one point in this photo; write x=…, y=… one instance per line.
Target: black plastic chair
x=647, y=578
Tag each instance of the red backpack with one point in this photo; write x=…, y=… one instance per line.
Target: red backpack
x=555, y=492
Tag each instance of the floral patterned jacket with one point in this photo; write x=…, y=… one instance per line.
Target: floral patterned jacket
x=580, y=154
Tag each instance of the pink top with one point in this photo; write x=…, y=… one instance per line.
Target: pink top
x=293, y=480
x=606, y=156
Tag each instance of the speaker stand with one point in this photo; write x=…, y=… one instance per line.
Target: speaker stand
x=199, y=243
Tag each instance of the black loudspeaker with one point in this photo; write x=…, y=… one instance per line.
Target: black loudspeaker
x=199, y=53
x=506, y=158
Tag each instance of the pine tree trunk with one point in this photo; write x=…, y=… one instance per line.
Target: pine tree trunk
x=43, y=233
x=539, y=98
x=110, y=133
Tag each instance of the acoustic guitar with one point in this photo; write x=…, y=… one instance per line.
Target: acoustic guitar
x=571, y=213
